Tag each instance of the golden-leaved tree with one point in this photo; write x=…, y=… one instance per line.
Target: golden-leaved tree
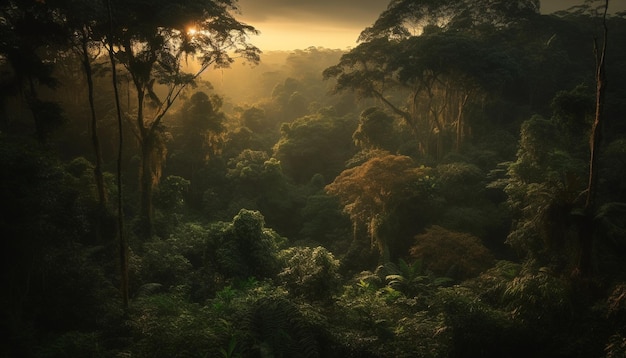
x=372, y=191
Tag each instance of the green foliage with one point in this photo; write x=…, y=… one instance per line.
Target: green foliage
x=167, y=325
x=538, y=297
x=467, y=205
x=257, y=182
x=543, y=188
x=197, y=135
x=248, y=318
x=474, y=328
x=74, y=344
x=551, y=311
x=376, y=131
x=278, y=328
x=613, y=171
x=378, y=321
x=541, y=156
x=479, y=220
x=459, y=183
x=397, y=20
x=573, y=112
x=453, y=254
x=185, y=257
x=247, y=167
x=411, y=279
x=57, y=277
x=323, y=221
x=245, y=248
x=492, y=283
x=224, y=288
x=171, y=194
x=402, y=68
x=163, y=263
x=257, y=319
x=310, y=272
x=318, y=143
x=372, y=193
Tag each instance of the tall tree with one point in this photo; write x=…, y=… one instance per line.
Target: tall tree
x=201, y=129
x=587, y=227
x=371, y=192
x=375, y=131
x=82, y=21
x=154, y=47
x=122, y=237
x=405, y=18
x=29, y=31
x=315, y=144
x=436, y=55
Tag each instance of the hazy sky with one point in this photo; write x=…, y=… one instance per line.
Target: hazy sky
x=298, y=24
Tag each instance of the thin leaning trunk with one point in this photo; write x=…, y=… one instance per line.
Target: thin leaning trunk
x=123, y=241
x=586, y=231
x=95, y=141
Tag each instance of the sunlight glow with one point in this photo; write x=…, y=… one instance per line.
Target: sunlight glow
x=289, y=36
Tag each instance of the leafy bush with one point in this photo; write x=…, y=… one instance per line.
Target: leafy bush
x=162, y=263
x=171, y=193
x=538, y=297
x=310, y=272
x=412, y=279
x=459, y=182
x=245, y=248
x=474, y=328
x=453, y=254
x=167, y=325
x=492, y=283
x=74, y=344
x=373, y=320
x=279, y=329
x=323, y=221
x=257, y=319
x=184, y=258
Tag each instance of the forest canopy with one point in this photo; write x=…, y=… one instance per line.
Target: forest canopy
x=452, y=186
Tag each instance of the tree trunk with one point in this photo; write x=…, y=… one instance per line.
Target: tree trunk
x=95, y=141
x=380, y=242
x=586, y=231
x=146, y=182
x=460, y=125
x=123, y=241
x=33, y=103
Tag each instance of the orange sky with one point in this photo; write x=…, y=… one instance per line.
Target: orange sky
x=298, y=24
x=335, y=24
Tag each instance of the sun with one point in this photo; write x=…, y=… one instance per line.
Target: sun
x=191, y=31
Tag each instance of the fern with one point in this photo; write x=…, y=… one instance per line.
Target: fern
x=412, y=279
x=230, y=351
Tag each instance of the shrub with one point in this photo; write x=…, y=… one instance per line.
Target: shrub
x=309, y=272
x=245, y=248
x=167, y=325
x=453, y=254
x=474, y=328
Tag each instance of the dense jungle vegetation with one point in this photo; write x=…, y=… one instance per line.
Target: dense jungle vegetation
x=453, y=186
